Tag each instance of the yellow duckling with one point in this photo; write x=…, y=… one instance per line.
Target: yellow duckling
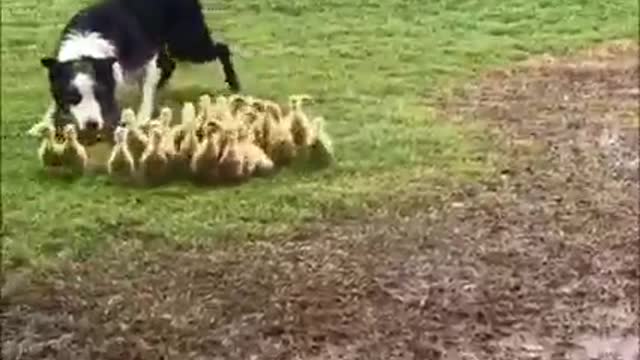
x=246, y=117
x=299, y=121
x=256, y=161
x=222, y=111
x=204, y=162
x=74, y=155
x=50, y=151
x=204, y=108
x=154, y=162
x=189, y=141
x=136, y=139
x=245, y=134
x=252, y=121
x=166, y=116
x=168, y=133
x=121, y=164
x=178, y=131
x=232, y=165
x=185, y=139
x=321, y=149
x=274, y=109
x=238, y=103
x=204, y=114
x=257, y=104
x=278, y=141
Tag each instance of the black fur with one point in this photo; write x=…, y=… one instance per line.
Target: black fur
x=167, y=67
x=140, y=29
x=60, y=75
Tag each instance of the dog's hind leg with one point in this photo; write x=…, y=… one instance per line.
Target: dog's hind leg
x=189, y=40
x=150, y=81
x=224, y=56
x=206, y=51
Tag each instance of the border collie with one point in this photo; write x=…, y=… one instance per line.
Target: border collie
x=126, y=42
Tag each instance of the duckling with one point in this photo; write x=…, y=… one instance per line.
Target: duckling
x=204, y=108
x=295, y=100
x=321, y=149
x=237, y=103
x=166, y=116
x=162, y=122
x=204, y=162
x=274, y=109
x=247, y=117
x=154, y=162
x=136, y=139
x=300, y=97
x=222, y=101
x=121, y=164
x=232, y=165
x=245, y=134
x=278, y=142
x=168, y=132
x=257, y=105
x=186, y=140
x=49, y=152
x=74, y=155
x=222, y=110
x=189, y=141
x=204, y=114
x=176, y=133
x=253, y=123
x=256, y=160
x=299, y=121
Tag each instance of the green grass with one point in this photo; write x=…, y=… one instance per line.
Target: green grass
x=371, y=66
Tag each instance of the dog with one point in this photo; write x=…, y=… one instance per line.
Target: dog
x=116, y=43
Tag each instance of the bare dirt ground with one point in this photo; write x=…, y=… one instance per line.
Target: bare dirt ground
x=542, y=263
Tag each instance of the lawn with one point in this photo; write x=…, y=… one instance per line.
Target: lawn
x=372, y=67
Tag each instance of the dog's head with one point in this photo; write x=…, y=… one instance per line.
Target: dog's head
x=84, y=90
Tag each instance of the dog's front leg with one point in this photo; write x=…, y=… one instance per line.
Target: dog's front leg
x=150, y=80
x=47, y=120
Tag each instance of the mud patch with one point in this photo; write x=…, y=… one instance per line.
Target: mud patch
x=541, y=263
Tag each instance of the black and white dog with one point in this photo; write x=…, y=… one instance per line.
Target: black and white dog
x=119, y=42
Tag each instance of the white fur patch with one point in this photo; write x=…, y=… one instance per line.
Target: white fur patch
x=118, y=73
x=78, y=44
x=88, y=109
x=149, y=83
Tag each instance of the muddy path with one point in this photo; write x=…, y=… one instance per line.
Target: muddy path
x=541, y=263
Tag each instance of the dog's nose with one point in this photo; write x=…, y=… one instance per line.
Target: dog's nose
x=92, y=125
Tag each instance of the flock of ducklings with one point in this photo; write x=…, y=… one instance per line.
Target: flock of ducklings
x=229, y=140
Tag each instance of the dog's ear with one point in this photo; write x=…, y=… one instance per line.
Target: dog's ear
x=48, y=62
